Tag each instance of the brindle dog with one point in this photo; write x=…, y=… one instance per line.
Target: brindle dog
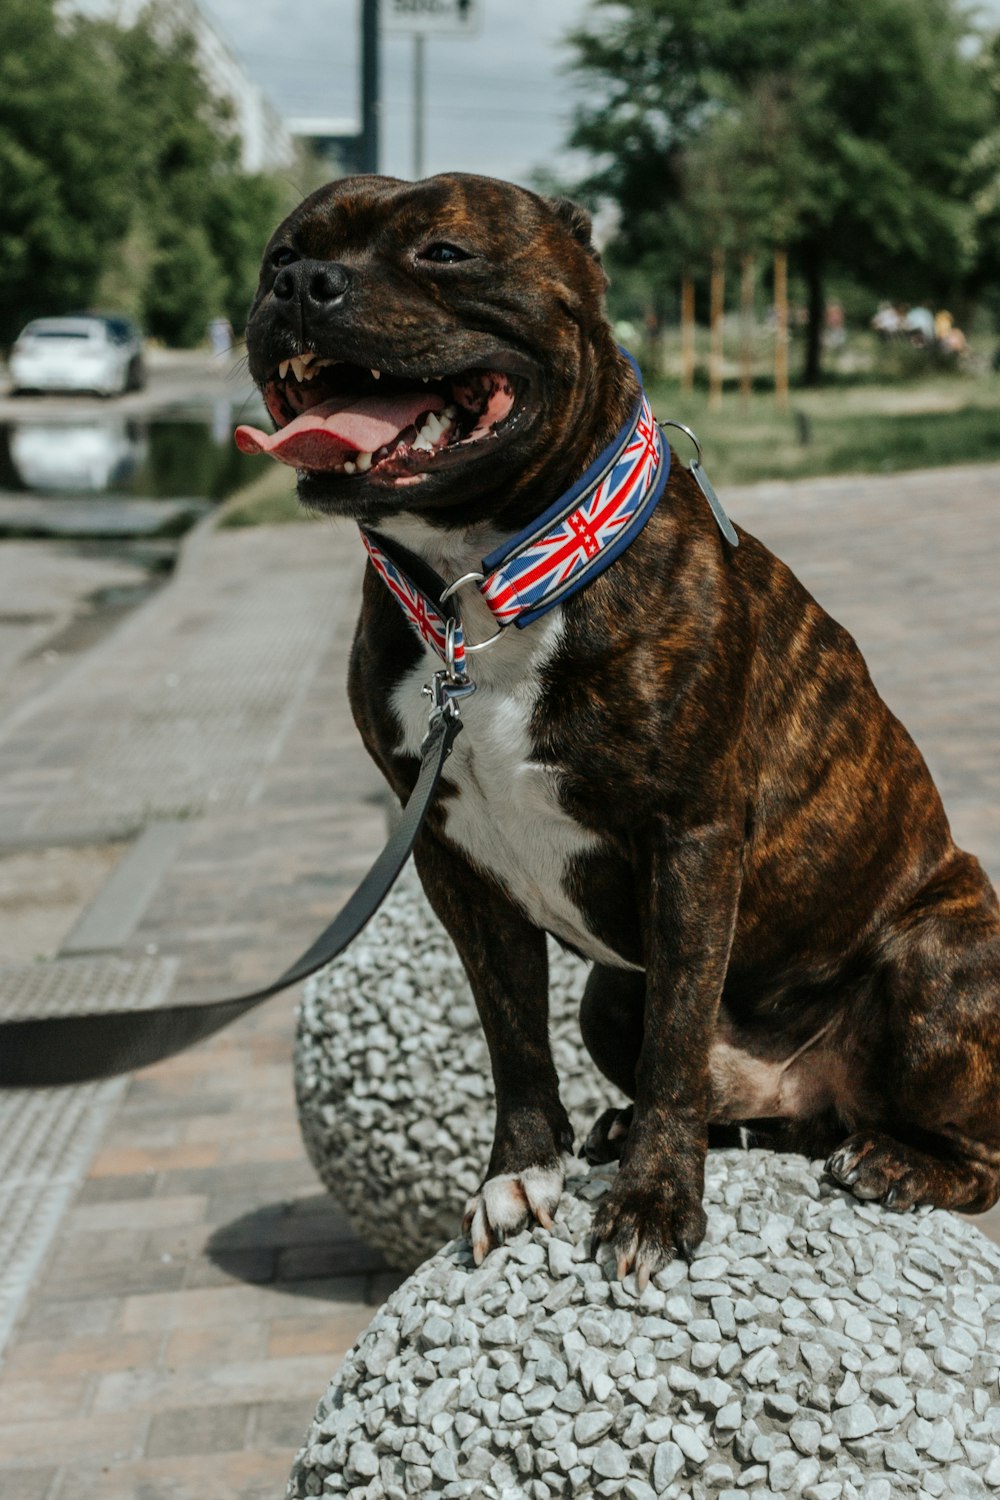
x=684, y=772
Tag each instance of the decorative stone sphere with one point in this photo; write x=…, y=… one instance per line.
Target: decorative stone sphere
x=815, y=1347
x=392, y=1077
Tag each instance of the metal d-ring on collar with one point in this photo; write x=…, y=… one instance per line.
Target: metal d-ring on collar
x=452, y=589
x=668, y=422
x=703, y=482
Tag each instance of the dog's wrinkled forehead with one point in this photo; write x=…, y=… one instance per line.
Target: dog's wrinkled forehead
x=365, y=216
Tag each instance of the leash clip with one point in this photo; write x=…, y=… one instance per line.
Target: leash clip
x=448, y=685
x=445, y=692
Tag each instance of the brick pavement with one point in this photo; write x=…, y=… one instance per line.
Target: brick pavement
x=201, y=1288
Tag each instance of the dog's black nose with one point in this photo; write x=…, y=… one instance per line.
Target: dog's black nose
x=311, y=282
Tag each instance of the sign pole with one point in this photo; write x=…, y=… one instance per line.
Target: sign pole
x=368, y=152
x=421, y=19
x=418, y=105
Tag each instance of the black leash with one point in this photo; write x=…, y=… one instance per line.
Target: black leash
x=43, y=1051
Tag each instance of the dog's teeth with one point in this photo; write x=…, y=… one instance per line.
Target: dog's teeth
x=283, y=368
x=297, y=367
x=350, y=468
x=428, y=434
x=309, y=374
x=364, y=462
x=376, y=374
x=306, y=357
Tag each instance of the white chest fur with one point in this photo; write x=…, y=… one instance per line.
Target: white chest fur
x=507, y=816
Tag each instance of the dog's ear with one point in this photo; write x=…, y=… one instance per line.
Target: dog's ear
x=577, y=220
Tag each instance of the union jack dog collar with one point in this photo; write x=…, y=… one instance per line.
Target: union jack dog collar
x=579, y=536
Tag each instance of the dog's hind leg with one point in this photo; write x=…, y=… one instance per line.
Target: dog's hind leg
x=611, y=1015
x=935, y=1138
x=611, y=1020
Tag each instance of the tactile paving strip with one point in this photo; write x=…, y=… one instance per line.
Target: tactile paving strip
x=48, y=1136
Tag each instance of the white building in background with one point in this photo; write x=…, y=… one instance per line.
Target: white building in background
x=266, y=144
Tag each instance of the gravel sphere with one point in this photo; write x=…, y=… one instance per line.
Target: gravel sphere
x=392, y=1077
x=816, y=1347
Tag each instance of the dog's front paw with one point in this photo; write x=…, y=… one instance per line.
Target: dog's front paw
x=503, y=1205
x=646, y=1226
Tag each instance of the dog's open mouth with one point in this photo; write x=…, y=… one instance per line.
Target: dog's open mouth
x=337, y=418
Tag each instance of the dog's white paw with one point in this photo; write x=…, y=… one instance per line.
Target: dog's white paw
x=503, y=1204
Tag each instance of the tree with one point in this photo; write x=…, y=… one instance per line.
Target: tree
x=120, y=181
x=844, y=131
x=64, y=172
x=204, y=220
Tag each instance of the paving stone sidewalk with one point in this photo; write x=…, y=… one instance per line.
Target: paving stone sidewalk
x=198, y=1289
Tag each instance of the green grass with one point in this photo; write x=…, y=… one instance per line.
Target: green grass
x=268, y=501
x=865, y=419
x=830, y=432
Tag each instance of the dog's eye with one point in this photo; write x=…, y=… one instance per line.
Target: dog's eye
x=443, y=254
x=283, y=256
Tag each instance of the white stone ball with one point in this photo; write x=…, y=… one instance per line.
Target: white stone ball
x=393, y=1083
x=815, y=1347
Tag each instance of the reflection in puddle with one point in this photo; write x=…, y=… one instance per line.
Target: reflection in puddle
x=126, y=456
x=88, y=456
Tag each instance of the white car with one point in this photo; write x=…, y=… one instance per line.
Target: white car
x=84, y=352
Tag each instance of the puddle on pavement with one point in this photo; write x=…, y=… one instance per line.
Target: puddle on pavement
x=107, y=485
x=116, y=455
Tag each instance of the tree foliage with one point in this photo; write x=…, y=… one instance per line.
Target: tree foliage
x=119, y=176
x=64, y=172
x=843, y=132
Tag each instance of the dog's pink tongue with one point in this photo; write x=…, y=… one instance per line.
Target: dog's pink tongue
x=325, y=435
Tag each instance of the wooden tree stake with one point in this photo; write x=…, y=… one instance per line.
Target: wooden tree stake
x=687, y=334
x=781, y=329
x=717, y=302
x=746, y=327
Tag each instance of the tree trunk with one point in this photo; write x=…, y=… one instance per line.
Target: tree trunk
x=812, y=268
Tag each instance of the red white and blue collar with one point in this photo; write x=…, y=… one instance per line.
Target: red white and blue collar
x=567, y=547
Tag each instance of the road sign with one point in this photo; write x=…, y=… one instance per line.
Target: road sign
x=432, y=17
